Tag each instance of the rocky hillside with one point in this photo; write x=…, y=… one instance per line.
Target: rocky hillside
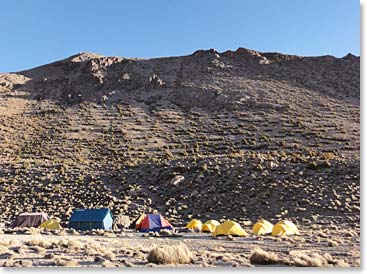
x=240, y=134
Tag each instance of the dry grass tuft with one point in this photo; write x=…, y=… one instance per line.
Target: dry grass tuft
x=4, y=243
x=92, y=248
x=351, y=233
x=33, y=242
x=74, y=245
x=6, y=263
x=262, y=257
x=40, y=250
x=6, y=253
x=39, y=242
x=332, y=243
x=341, y=263
x=9, y=242
x=32, y=231
x=63, y=243
x=66, y=262
x=23, y=263
x=49, y=256
x=301, y=258
x=108, y=263
x=21, y=250
x=217, y=248
x=328, y=258
x=108, y=254
x=170, y=254
x=97, y=249
x=4, y=250
x=61, y=232
x=335, y=262
x=100, y=232
x=74, y=232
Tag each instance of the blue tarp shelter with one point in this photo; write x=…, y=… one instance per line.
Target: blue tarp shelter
x=91, y=218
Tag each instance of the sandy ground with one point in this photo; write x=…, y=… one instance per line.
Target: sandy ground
x=339, y=247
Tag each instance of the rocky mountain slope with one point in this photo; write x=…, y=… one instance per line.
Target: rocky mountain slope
x=239, y=134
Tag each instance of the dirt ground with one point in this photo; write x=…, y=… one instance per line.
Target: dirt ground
x=316, y=246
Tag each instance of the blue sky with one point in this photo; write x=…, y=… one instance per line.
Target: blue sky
x=35, y=32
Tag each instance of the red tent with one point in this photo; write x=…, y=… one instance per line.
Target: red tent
x=153, y=222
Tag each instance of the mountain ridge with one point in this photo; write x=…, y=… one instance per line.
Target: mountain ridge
x=243, y=128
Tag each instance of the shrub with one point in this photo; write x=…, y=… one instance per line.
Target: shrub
x=170, y=254
x=302, y=259
x=262, y=257
x=66, y=262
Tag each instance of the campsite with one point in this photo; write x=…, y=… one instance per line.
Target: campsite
x=93, y=239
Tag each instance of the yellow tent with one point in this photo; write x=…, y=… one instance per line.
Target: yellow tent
x=209, y=226
x=262, y=227
x=194, y=224
x=229, y=228
x=51, y=224
x=285, y=228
